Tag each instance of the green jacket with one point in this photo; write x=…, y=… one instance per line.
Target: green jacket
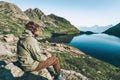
x=29, y=52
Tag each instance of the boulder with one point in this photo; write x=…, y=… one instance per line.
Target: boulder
x=1, y=36
x=4, y=51
x=9, y=38
x=16, y=71
x=13, y=71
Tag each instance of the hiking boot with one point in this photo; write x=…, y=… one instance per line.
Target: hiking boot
x=59, y=77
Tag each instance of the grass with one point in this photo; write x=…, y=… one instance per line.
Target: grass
x=88, y=66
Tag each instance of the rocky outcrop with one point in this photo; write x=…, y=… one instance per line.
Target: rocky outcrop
x=72, y=75
x=12, y=9
x=14, y=71
x=51, y=23
x=13, y=20
x=18, y=73
x=4, y=51
x=55, y=47
x=10, y=38
x=38, y=16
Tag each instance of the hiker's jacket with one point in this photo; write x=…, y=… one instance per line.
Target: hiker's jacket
x=29, y=52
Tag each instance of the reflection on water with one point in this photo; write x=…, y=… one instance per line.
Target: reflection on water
x=101, y=46
x=59, y=39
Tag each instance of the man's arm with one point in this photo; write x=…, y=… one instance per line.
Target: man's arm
x=47, y=53
x=35, y=50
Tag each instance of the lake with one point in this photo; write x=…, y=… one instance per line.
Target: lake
x=101, y=46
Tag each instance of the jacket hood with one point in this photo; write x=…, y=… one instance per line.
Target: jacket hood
x=26, y=33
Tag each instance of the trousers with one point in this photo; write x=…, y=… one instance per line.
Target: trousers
x=51, y=61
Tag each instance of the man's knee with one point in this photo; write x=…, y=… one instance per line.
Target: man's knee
x=55, y=58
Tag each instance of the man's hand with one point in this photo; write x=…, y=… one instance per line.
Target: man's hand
x=48, y=54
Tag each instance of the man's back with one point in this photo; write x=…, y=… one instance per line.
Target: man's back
x=28, y=51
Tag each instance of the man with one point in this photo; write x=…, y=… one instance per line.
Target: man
x=31, y=57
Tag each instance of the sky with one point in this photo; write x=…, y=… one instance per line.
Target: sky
x=78, y=12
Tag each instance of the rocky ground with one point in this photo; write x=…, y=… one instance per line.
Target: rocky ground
x=8, y=54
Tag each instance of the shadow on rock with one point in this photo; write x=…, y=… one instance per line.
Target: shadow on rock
x=6, y=74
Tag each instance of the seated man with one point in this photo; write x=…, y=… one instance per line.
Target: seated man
x=31, y=57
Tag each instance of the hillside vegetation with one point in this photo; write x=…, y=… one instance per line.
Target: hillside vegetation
x=88, y=66
x=115, y=30
x=13, y=19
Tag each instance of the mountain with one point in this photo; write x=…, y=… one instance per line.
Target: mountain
x=64, y=25
x=115, y=30
x=38, y=16
x=95, y=29
x=13, y=19
x=51, y=23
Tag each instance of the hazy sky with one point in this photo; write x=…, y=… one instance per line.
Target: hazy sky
x=78, y=12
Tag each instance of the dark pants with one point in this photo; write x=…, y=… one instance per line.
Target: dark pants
x=52, y=61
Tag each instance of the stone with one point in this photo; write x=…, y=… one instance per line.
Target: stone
x=72, y=75
x=43, y=73
x=9, y=37
x=46, y=41
x=16, y=71
x=4, y=51
x=1, y=36
x=99, y=72
x=83, y=69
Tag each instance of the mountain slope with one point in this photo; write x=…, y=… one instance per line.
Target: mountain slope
x=115, y=30
x=64, y=25
x=12, y=19
x=51, y=24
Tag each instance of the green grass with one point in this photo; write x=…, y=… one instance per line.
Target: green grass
x=88, y=66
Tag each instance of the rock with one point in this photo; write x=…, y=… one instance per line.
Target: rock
x=43, y=73
x=16, y=71
x=4, y=51
x=72, y=75
x=58, y=45
x=99, y=72
x=65, y=48
x=83, y=69
x=1, y=36
x=76, y=51
x=46, y=41
x=11, y=48
x=67, y=74
x=9, y=37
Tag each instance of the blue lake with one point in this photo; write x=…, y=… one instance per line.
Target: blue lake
x=101, y=46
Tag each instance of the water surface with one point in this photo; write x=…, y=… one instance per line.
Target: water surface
x=101, y=46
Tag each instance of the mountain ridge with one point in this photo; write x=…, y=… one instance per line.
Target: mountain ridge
x=14, y=19
x=115, y=30
x=95, y=28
